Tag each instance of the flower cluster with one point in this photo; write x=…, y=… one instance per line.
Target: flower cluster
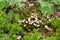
x=33, y=19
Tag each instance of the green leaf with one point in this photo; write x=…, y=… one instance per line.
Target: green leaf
x=34, y=35
x=18, y=3
x=2, y=4
x=57, y=2
x=46, y=9
x=16, y=16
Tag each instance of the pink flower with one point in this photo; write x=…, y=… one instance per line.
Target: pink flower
x=24, y=25
x=18, y=37
x=38, y=25
x=48, y=17
x=30, y=5
x=31, y=22
x=29, y=19
x=36, y=18
x=40, y=21
x=33, y=16
x=37, y=21
x=35, y=24
x=26, y=21
x=21, y=20
x=47, y=27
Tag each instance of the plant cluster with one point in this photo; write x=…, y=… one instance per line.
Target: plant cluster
x=29, y=20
